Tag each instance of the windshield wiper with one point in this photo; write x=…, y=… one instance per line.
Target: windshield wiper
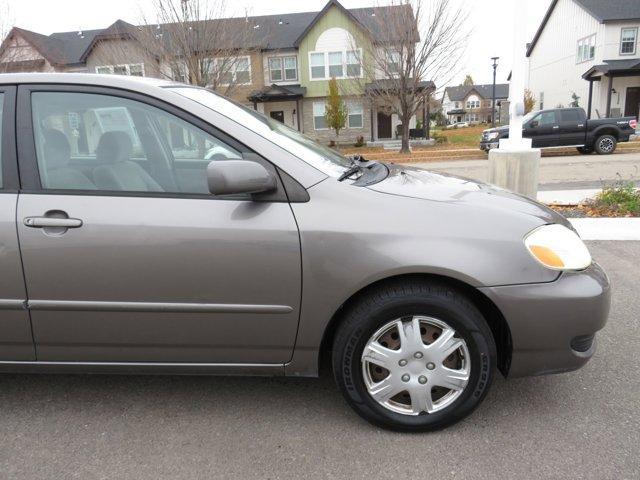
x=356, y=166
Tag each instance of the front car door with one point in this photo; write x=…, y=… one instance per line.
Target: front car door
x=127, y=257
x=543, y=129
x=16, y=341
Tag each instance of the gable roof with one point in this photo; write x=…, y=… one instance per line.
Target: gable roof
x=604, y=11
x=321, y=13
x=461, y=92
x=272, y=32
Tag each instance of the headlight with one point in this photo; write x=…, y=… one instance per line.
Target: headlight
x=493, y=135
x=558, y=248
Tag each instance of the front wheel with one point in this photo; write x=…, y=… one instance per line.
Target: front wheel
x=414, y=356
x=606, y=144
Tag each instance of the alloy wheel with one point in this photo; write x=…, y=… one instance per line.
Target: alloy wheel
x=415, y=365
x=606, y=145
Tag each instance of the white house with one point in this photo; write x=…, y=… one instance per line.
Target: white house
x=588, y=48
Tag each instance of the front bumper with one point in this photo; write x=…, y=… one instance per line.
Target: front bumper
x=551, y=323
x=488, y=145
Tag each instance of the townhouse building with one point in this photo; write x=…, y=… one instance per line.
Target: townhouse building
x=284, y=74
x=472, y=103
x=587, y=51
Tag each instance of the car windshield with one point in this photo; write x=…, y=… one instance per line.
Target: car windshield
x=323, y=158
x=529, y=116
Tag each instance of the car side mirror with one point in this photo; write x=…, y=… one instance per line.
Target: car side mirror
x=228, y=177
x=534, y=124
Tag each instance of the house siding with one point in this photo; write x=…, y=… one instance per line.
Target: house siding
x=333, y=18
x=553, y=70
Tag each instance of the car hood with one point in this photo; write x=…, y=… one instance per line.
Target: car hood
x=502, y=129
x=439, y=187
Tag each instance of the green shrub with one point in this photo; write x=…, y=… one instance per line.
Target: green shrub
x=621, y=197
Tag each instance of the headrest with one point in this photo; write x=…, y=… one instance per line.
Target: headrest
x=114, y=147
x=57, y=152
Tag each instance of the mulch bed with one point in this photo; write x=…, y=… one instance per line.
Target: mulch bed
x=589, y=211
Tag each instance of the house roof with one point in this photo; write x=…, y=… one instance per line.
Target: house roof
x=612, y=66
x=271, y=32
x=605, y=11
x=461, y=92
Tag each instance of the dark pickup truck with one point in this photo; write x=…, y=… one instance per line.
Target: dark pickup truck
x=567, y=127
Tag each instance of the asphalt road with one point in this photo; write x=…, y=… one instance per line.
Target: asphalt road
x=585, y=424
x=558, y=173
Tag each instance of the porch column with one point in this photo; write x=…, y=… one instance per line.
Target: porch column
x=298, y=114
x=426, y=124
x=372, y=133
x=609, y=89
x=590, y=100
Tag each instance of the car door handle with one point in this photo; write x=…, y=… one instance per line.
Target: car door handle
x=555, y=127
x=52, y=222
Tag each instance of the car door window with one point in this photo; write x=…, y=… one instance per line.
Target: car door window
x=570, y=116
x=547, y=118
x=87, y=141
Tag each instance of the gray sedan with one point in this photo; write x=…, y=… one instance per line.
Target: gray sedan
x=153, y=227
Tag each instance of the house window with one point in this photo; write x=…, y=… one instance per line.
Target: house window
x=283, y=68
x=335, y=65
x=344, y=64
x=319, y=118
x=456, y=105
x=586, y=49
x=290, y=68
x=179, y=73
x=275, y=69
x=355, y=115
x=133, y=69
x=628, y=40
x=233, y=70
x=353, y=64
x=473, y=103
x=317, y=65
x=393, y=63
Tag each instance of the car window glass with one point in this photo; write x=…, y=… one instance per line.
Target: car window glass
x=547, y=118
x=1, y=125
x=99, y=142
x=570, y=116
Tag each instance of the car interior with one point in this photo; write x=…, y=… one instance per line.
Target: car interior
x=96, y=142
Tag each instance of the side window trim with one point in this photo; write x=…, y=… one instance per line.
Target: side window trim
x=26, y=148
x=10, y=178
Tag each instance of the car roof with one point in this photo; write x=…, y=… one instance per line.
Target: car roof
x=116, y=81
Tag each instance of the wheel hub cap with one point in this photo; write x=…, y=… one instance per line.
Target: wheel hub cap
x=415, y=364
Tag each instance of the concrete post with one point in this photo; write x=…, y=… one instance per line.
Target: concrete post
x=515, y=165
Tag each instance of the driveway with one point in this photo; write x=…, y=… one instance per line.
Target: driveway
x=557, y=173
x=582, y=425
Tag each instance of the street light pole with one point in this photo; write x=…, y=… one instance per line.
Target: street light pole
x=493, y=95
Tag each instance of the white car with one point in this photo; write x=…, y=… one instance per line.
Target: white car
x=457, y=125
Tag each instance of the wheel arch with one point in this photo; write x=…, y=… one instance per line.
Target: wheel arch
x=492, y=314
x=606, y=130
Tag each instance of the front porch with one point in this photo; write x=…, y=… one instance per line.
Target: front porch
x=280, y=102
x=618, y=89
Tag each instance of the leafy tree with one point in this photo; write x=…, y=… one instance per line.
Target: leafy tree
x=529, y=101
x=336, y=111
x=468, y=80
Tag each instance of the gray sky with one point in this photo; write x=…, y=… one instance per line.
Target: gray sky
x=488, y=19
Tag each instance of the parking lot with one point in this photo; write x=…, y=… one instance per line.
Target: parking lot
x=584, y=424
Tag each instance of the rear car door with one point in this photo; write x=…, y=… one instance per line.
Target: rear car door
x=572, y=127
x=543, y=129
x=16, y=341
x=127, y=257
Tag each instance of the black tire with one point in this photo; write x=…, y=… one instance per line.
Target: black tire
x=400, y=299
x=584, y=150
x=605, y=144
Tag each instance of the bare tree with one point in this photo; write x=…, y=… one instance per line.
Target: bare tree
x=193, y=41
x=7, y=54
x=415, y=42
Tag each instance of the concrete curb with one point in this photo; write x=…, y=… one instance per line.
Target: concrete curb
x=607, y=228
